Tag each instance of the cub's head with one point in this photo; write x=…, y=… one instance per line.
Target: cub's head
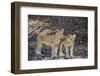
x=59, y=33
x=69, y=37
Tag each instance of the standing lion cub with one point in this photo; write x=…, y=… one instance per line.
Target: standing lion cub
x=68, y=42
x=51, y=40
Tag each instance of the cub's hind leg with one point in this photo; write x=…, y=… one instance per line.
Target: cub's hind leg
x=38, y=48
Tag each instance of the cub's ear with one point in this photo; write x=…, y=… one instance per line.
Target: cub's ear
x=74, y=35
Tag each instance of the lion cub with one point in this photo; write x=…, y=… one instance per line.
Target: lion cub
x=68, y=43
x=48, y=39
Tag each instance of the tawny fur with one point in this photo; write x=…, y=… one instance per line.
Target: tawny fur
x=68, y=43
x=51, y=40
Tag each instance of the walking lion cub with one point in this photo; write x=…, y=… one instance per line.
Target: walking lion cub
x=52, y=40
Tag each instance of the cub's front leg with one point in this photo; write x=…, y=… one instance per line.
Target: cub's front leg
x=71, y=51
x=61, y=54
x=66, y=52
x=54, y=51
